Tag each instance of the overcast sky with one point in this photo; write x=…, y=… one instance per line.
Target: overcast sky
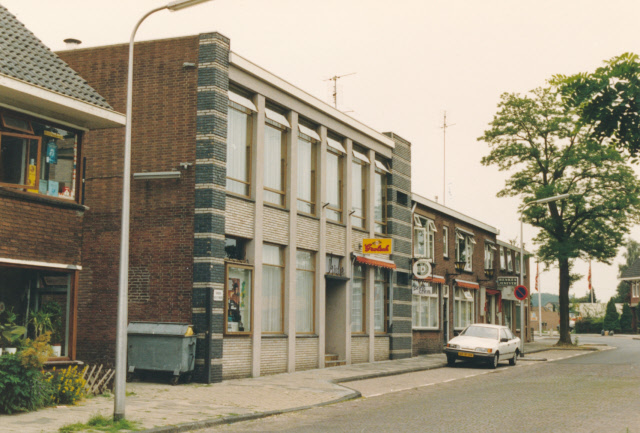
x=413, y=60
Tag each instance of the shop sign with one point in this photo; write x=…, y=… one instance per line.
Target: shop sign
x=421, y=288
x=218, y=295
x=507, y=281
x=376, y=246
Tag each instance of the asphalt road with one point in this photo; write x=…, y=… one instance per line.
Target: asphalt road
x=571, y=392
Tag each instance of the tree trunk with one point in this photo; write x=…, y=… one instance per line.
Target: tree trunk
x=565, y=331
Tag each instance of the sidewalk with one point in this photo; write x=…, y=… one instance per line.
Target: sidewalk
x=162, y=407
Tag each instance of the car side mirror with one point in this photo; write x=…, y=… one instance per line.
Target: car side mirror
x=504, y=340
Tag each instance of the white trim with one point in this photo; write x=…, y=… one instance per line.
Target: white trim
x=361, y=156
x=465, y=231
x=40, y=264
x=255, y=70
x=28, y=97
x=335, y=144
x=447, y=211
x=276, y=117
x=308, y=131
x=432, y=226
x=241, y=100
x=381, y=166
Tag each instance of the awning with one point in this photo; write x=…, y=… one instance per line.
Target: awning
x=433, y=279
x=493, y=292
x=467, y=284
x=382, y=263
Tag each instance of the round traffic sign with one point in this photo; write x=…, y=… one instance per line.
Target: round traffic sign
x=521, y=292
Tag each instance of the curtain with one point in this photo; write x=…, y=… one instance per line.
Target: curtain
x=333, y=185
x=305, y=276
x=357, y=296
x=357, y=196
x=237, y=151
x=273, y=164
x=378, y=204
x=305, y=178
x=271, y=289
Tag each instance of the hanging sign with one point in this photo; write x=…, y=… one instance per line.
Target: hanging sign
x=376, y=246
x=422, y=269
x=507, y=281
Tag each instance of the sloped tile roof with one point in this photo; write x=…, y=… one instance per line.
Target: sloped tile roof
x=24, y=57
x=632, y=271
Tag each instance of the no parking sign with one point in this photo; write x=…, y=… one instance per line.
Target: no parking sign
x=521, y=292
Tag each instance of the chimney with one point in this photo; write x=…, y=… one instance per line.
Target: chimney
x=72, y=43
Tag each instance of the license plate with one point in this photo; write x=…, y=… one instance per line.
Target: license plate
x=468, y=355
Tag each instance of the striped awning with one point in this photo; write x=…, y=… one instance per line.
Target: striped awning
x=434, y=279
x=467, y=284
x=382, y=263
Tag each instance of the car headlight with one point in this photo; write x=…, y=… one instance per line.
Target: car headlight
x=483, y=350
x=453, y=346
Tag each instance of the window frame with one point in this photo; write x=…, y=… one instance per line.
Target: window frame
x=283, y=164
x=435, y=294
x=313, y=291
x=248, y=147
x=385, y=299
x=339, y=210
x=489, y=254
x=363, y=303
x=363, y=174
x=459, y=298
x=314, y=169
x=380, y=226
x=469, y=243
x=445, y=241
x=226, y=331
x=282, y=289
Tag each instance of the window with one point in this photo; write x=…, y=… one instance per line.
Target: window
x=517, y=259
x=305, y=291
x=239, y=134
x=239, y=295
x=334, y=265
x=445, y=241
x=359, y=189
x=275, y=158
x=509, y=260
x=380, y=197
x=381, y=284
x=307, y=138
x=489, y=252
x=272, y=288
x=636, y=289
x=40, y=162
x=425, y=305
x=335, y=150
x=424, y=237
x=502, y=259
x=508, y=313
x=464, y=249
x=235, y=248
x=463, y=308
x=358, y=286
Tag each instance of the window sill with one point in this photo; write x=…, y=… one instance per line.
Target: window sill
x=360, y=335
x=307, y=336
x=240, y=196
x=308, y=215
x=359, y=229
x=275, y=336
x=418, y=328
x=43, y=199
x=275, y=206
x=334, y=222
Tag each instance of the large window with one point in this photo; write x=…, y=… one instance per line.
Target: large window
x=307, y=138
x=358, y=285
x=239, y=295
x=334, y=179
x=635, y=289
x=424, y=237
x=464, y=249
x=275, y=157
x=305, y=293
x=359, y=172
x=463, y=308
x=489, y=254
x=381, y=284
x=37, y=157
x=272, y=288
x=509, y=260
x=445, y=241
x=517, y=263
x=503, y=262
x=239, y=134
x=425, y=311
x=380, y=197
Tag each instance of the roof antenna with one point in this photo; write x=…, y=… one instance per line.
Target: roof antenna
x=335, y=87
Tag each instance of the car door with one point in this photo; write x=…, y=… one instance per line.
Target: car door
x=506, y=347
x=513, y=342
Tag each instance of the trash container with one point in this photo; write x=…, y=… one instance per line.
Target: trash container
x=161, y=347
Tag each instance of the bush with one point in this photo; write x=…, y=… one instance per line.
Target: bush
x=589, y=325
x=626, y=318
x=611, y=317
x=67, y=385
x=22, y=388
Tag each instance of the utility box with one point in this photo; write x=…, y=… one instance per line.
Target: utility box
x=161, y=347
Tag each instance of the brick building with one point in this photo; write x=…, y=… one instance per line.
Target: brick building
x=462, y=284
x=631, y=275
x=250, y=203
x=45, y=110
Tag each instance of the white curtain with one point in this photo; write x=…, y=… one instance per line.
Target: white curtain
x=305, y=178
x=357, y=197
x=357, y=297
x=305, y=276
x=378, y=198
x=237, y=151
x=273, y=164
x=333, y=185
x=271, y=289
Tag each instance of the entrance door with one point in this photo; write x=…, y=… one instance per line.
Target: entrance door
x=336, y=317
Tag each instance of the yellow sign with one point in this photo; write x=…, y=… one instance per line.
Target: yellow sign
x=31, y=177
x=376, y=246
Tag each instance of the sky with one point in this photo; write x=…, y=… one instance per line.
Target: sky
x=412, y=61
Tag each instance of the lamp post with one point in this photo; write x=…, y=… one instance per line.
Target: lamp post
x=522, y=321
x=123, y=280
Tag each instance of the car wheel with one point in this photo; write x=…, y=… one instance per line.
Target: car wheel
x=494, y=361
x=514, y=360
x=451, y=359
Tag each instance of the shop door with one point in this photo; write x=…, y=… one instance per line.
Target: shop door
x=336, y=318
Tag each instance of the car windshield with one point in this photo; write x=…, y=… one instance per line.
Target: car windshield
x=481, y=332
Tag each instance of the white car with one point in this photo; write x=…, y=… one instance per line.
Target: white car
x=484, y=343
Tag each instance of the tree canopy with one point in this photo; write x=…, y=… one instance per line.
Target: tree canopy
x=550, y=146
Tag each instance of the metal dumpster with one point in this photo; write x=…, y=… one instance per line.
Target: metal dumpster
x=162, y=347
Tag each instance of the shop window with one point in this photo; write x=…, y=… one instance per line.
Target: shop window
x=239, y=135
x=463, y=309
x=305, y=291
x=381, y=288
x=307, y=139
x=334, y=265
x=359, y=172
x=239, y=298
x=425, y=311
x=272, y=288
x=464, y=249
x=358, y=285
x=38, y=157
x=40, y=301
x=275, y=157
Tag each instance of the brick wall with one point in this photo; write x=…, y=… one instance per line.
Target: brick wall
x=161, y=237
x=276, y=226
x=273, y=356
x=308, y=233
x=236, y=363
x=336, y=235
x=306, y=353
x=427, y=342
x=240, y=215
x=359, y=349
x=381, y=348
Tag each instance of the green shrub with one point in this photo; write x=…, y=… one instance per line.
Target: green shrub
x=626, y=318
x=67, y=385
x=22, y=388
x=589, y=325
x=611, y=317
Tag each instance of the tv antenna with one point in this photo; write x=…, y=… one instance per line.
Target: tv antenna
x=444, y=157
x=335, y=79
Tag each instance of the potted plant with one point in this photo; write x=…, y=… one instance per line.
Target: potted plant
x=10, y=332
x=55, y=316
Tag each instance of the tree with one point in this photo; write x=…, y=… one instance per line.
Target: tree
x=630, y=256
x=626, y=318
x=611, y=317
x=549, y=148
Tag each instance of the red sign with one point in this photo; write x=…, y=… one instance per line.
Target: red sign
x=521, y=292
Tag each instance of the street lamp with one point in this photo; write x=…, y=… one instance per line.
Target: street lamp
x=522, y=322
x=123, y=281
